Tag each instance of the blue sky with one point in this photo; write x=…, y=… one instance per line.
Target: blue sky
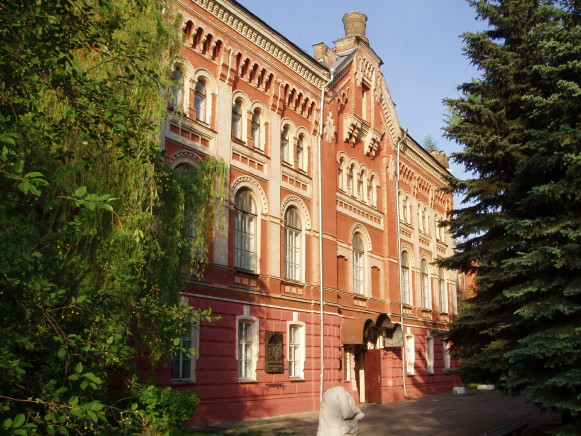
x=418, y=40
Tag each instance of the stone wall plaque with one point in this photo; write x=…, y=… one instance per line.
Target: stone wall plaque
x=274, y=352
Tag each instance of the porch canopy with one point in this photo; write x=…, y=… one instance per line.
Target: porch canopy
x=354, y=329
x=368, y=326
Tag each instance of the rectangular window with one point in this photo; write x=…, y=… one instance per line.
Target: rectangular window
x=358, y=272
x=244, y=244
x=246, y=350
x=410, y=354
x=181, y=368
x=292, y=255
x=405, y=283
x=447, y=356
x=430, y=354
x=443, y=296
x=296, y=351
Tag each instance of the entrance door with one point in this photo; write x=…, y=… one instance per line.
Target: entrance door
x=373, y=376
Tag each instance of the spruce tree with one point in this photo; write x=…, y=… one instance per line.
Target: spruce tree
x=518, y=230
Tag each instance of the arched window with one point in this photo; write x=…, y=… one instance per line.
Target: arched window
x=372, y=191
x=255, y=130
x=340, y=170
x=358, y=264
x=423, y=220
x=284, y=144
x=237, y=119
x=360, y=186
x=200, y=100
x=350, y=180
x=443, y=292
x=176, y=88
x=293, y=254
x=244, y=231
x=406, y=294
x=301, y=153
x=425, y=280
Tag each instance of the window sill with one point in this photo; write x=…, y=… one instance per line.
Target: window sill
x=183, y=382
x=246, y=271
x=246, y=381
x=238, y=140
x=297, y=379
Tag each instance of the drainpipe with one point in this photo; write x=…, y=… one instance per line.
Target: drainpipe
x=397, y=208
x=321, y=290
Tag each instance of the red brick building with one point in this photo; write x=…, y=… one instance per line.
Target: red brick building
x=318, y=163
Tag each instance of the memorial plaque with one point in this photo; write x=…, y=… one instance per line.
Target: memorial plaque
x=274, y=352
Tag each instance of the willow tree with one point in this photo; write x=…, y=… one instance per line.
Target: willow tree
x=92, y=224
x=519, y=231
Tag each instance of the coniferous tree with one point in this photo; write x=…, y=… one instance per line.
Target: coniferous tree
x=519, y=231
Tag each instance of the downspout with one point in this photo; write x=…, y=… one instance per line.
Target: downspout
x=321, y=290
x=397, y=208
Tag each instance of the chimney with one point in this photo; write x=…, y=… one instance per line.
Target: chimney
x=354, y=24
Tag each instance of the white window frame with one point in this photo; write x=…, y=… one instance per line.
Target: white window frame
x=245, y=236
x=425, y=285
x=358, y=264
x=406, y=289
x=429, y=354
x=257, y=129
x=296, y=349
x=285, y=144
x=302, y=156
x=293, y=246
x=410, y=354
x=444, y=306
x=201, y=100
x=247, y=349
x=238, y=119
x=447, y=355
x=185, y=362
x=351, y=179
x=177, y=88
x=341, y=175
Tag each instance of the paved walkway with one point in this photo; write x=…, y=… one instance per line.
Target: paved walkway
x=443, y=415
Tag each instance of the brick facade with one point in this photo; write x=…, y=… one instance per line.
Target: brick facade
x=248, y=96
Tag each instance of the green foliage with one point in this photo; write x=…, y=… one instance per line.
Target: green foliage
x=91, y=221
x=520, y=227
x=166, y=408
x=430, y=144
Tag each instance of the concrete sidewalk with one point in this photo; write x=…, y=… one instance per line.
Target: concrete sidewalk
x=443, y=414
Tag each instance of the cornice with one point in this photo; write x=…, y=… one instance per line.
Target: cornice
x=267, y=39
x=413, y=151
